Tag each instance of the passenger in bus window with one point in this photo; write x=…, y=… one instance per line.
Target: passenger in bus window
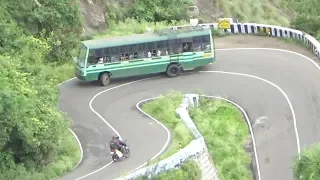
x=159, y=53
x=131, y=56
x=149, y=54
x=113, y=59
x=185, y=47
x=100, y=61
x=107, y=59
x=121, y=57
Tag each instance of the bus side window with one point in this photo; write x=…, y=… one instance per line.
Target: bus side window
x=142, y=50
x=124, y=52
x=107, y=54
x=176, y=46
x=99, y=56
x=160, y=48
x=172, y=44
x=133, y=51
x=197, y=43
x=91, y=58
x=165, y=50
x=152, y=48
x=205, y=43
x=187, y=45
x=114, y=54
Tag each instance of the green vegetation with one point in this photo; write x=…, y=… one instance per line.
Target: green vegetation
x=258, y=11
x=307, y=15
x=35, y=42
x=308, y=166
x=161, y=10
x=132, y=26
x=164, y=110
x=149, y=10
x=226, y=133
x=222, y=125
x=188, y=170
x=38, y=39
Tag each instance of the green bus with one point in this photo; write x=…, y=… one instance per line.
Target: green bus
x=170, y=50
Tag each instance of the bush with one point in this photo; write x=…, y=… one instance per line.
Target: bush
x=35, y=142
x=161, y=10
x=309, y=164
x=57, y=21
x=308, y=15
x=226, y=133
x=164, y=110
x=221, y=124
x=188, y=170
x=132, y=26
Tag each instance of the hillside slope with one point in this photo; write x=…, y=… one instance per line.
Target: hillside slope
x=259, y=11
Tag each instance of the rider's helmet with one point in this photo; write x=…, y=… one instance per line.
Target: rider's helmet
x=117, y=137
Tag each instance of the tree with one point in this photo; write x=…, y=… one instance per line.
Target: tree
x=59, y=21
x=161, y=10
x=308, y=15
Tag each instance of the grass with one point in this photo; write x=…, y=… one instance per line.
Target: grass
x=226, y=133
x=67, y=158
x=296, y=42
x=258, y=11
x=308, y=166
x=221, y=124
x=132, y=26
x=188, y=170
x=164, y=110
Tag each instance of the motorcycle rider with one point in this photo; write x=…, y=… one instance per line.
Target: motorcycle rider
x=116, y=143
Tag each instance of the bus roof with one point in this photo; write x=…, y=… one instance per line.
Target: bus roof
x=142, y=38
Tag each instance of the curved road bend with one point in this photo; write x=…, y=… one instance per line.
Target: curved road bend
x=276, y=138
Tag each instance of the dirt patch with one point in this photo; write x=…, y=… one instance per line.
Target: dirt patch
x=250, y=41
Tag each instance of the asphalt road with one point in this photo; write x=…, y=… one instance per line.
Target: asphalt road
x=276, y=137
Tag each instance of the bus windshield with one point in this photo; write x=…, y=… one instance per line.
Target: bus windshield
x=82, y=56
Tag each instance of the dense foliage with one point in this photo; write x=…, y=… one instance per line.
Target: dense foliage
x=161, y=10
x=57, y=21
x=307, y=15
x=33, y=132
x=308, y=167
x=150, y=11
x=226, y=134
x=164, y=110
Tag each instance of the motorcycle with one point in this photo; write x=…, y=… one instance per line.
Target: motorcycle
x=116, y=154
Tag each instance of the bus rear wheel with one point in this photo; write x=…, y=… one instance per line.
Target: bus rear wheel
x=173, y=70
x=104, y=79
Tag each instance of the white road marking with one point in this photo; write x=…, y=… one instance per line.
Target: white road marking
x=227, y=49
x=250, y=129
x=75, y=136
x=111, y=127
x=158, y=122
x=277, y=87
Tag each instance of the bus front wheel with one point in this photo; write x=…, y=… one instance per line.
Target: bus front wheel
x=104, y=79
x=173, y=70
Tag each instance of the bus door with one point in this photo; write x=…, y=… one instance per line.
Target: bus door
x=174, y=47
